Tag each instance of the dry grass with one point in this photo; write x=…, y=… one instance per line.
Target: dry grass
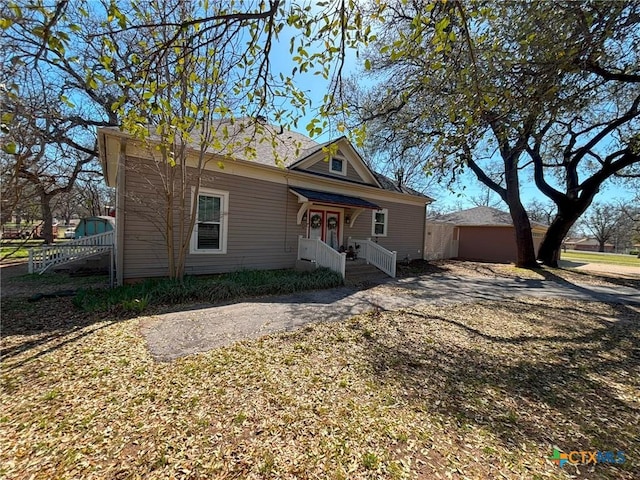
x=464, y=268
x=469, y=391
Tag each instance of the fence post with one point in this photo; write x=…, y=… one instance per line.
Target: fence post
x=393, y=263
x=31, y=260
x=111, y=275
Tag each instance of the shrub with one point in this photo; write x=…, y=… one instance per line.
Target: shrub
x=216, y=289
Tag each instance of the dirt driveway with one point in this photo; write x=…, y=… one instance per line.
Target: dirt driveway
x=620, y=270
x=173, y=335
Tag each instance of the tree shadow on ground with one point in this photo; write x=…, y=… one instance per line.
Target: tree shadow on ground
x=623, y=281
x=47, y=325
x=560, y=384
x=418, y=267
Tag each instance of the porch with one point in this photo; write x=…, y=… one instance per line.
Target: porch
x=365, y=253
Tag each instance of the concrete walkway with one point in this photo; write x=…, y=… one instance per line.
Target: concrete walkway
x=177, y=334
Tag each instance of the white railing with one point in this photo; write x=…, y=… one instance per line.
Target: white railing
x=323, y=255
x=376, y=255
x=47, y=256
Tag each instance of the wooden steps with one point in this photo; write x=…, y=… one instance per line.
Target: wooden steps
x=358, y=273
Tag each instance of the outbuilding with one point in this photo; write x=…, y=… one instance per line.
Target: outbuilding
x=94, y=225
x=481, y=233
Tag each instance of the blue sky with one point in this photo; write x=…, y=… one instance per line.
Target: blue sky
x=316, y=87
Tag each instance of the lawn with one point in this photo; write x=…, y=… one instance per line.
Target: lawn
x=596, y=257
x=17, y=249
x=483, y=390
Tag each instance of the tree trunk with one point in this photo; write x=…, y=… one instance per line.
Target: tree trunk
x=601, y=246
x=526, y=253
x=47, y=218
x=549, y=252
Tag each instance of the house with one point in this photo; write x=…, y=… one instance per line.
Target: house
x=586, y=244
x=481, y=233
x=284, y=200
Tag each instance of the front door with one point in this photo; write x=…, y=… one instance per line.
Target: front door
x=332, y=230
x=325, y=225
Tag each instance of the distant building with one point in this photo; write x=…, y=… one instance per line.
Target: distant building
x=586, y=244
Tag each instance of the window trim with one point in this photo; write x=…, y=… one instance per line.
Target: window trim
x=385, y=212
x=224, y=227
x=344, y=165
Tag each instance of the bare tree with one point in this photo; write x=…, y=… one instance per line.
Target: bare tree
x=46, y=153
x=541, y=211
x=602, y=220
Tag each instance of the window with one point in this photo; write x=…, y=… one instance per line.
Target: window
x=338, y=165
x=210, y=231
x=379, y=224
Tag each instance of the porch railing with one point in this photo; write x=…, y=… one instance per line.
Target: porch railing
x=47, y=256
x=323, y=255
x=376, y=255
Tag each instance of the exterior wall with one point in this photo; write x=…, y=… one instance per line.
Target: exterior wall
x=262, y=229
x=593, y=248
x=261, y=223
x=441, y=241
x=405, y=229
x=538, y=236
x=322, y=166
x=489, y=244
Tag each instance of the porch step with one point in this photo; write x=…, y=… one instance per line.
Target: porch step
x=359, y=273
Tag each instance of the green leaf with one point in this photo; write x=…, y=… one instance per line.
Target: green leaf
x=10, y=148
x=367, y=64
x=64, y=99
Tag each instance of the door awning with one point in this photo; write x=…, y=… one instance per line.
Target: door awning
x=306, y=195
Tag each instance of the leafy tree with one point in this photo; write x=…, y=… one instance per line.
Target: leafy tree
x=511, y=91
x=135, y=63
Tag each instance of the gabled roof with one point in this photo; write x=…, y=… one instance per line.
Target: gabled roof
x=391, y=185
x=313, y=154
x=481, y=217
x=259, y=142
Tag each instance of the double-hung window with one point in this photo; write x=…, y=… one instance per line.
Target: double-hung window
x=210, y=231
x=379, y=223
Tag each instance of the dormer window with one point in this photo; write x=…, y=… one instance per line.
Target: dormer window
x=338, y=165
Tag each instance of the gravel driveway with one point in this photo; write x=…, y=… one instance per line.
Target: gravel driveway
x=177, y=334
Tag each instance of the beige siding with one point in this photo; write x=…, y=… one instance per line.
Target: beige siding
x=322, y=166
x=405, y=229
x=262, y=232
x=261, y=223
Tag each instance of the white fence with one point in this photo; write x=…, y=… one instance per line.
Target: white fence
x=47, y=256
x=316, y=250
x=377, y=255
x=441, y=241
